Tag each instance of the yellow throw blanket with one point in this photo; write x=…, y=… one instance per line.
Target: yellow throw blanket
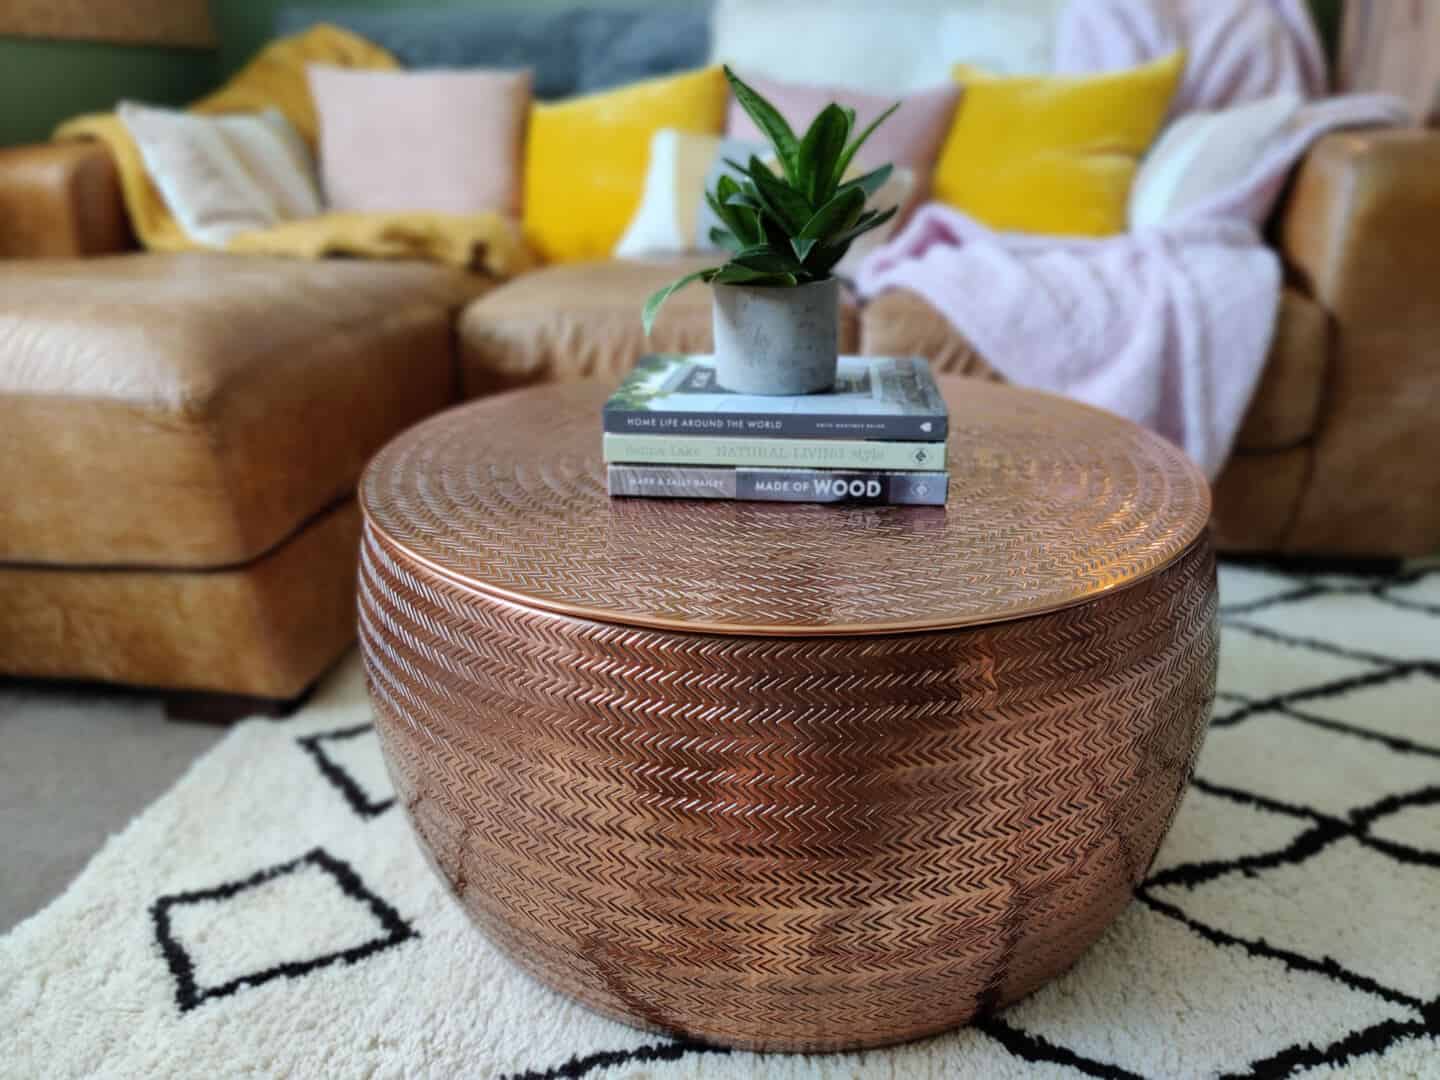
x=276, y=79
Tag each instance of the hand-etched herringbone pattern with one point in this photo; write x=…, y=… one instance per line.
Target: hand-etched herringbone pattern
x=803, y=842
x=1051, y=504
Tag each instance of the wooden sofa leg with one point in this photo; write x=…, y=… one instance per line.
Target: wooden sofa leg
x=193, y=707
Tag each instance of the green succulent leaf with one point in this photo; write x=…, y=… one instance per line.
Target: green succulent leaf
x=773, y=233
x=720, y=210
x=732, y=274
x=837, y=215
x=870, y=183
x=725, y=239
x=748, y=198
x=823, y=259
x=740, y=221
x=755, y=224
x=872, y=220
x=658, y=298
x=820, y=150
x=850, y=151
x=767, y=260
x=768, y=119
x=759, y=249
x=725, y=187
x=789, y=207
x=860, y=223
x=802, y=246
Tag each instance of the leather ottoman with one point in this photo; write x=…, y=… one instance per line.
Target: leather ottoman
x=180, y=438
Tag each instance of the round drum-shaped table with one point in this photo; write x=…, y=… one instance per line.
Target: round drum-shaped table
x=780, y=776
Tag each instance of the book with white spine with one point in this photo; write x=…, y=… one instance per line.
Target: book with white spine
x=773, y=453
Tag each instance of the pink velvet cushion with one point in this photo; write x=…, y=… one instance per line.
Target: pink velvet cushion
x=911, y=137
x=444, y=141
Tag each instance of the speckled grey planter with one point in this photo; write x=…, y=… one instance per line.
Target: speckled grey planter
x=777, y=340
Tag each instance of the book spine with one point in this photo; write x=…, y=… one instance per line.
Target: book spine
x=773, y=453
x=779, y=485
x=742, y=425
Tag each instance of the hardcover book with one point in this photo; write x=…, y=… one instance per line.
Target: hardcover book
x=780, y=485
x=874, y=398
x=775, y=453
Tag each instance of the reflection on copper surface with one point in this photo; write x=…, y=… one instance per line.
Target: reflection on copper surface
x=802, y=843
x=1051, y=503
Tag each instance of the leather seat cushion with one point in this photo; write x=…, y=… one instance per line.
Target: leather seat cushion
x=575, y=320
x=903, y=323
x=265, y=629
x=187, y=411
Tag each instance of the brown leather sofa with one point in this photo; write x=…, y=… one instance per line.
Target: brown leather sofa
x=180, y=436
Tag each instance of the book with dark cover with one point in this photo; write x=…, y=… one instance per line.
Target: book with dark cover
x=779, y=485
x=875, y=397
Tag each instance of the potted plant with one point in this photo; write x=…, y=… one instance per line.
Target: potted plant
x=776, y=306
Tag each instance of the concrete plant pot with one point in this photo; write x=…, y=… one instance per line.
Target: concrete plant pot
x=776, y=340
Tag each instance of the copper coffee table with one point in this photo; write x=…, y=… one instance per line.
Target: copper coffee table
x=789, y=777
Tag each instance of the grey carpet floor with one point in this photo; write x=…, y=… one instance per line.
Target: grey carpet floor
x=76, y=764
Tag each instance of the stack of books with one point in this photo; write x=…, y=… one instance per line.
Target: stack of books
x=879, y=437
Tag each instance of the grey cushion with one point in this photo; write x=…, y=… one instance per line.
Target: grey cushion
x=571, y=49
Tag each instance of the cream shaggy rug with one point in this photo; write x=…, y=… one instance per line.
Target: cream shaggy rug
x=271, y=915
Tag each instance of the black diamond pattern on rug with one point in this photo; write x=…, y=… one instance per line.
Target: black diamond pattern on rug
x=240, y=934
x=1364, y=691
x=325, y=749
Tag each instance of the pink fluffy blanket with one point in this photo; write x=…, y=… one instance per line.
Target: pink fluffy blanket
x=1236, y=50
x=1170, y=325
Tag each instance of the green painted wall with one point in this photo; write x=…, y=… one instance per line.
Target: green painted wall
x=45, y=82
x=244, y=25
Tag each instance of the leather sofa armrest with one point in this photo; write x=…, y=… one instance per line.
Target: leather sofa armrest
x=1361, y=234
x=1361, y=229
x=61, y=200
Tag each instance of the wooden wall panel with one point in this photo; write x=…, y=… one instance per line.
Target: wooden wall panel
x=1393, y=45
x=182, y=23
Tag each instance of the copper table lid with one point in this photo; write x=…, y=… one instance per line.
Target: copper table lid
x=1051, y=504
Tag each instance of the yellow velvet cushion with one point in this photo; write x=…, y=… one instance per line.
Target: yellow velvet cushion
x=1053, y=154
x=586, y=158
